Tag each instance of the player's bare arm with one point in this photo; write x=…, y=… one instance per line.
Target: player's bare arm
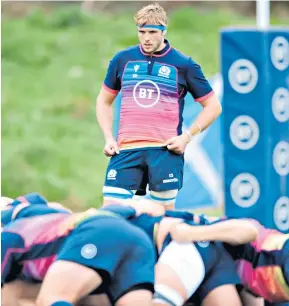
x=104, y=114
x=233, y=231
x=211, y=110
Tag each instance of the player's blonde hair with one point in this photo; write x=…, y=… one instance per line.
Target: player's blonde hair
x=151, y=14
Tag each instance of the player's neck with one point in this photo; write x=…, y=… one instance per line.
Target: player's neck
x=161, y=46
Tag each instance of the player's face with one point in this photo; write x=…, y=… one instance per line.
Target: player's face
x=150, y=39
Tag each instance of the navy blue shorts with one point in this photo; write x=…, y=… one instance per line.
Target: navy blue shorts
x=118, y=251
x=220, y=269
x=160, y=168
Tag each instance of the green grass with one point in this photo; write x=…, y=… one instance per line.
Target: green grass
x=52, y=69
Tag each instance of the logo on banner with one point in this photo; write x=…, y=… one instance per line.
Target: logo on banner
x=146, y=93
x=245, y=190
x=243, y=76
x=280, y=53
x=281, y=158
x=280, y=104
x=244, y=132
x=281, y=213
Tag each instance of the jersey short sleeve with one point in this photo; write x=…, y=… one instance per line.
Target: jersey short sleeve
x=112, y=81
x=197, y=84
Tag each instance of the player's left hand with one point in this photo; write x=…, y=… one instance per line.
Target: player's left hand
x=177, y=144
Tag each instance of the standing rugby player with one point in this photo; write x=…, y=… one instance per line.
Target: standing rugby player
x=154, y=79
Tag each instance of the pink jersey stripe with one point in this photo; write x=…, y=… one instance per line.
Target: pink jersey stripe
x=113, y=91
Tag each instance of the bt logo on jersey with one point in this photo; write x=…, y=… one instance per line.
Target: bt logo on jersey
x=146, y=93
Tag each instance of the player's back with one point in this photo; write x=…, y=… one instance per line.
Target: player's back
x=261, y=264
x=32, y=243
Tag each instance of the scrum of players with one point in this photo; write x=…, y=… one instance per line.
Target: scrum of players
x=135, y=253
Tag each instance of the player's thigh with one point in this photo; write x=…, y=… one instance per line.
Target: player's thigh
x=67, y=281
x=250, y=300
x=125, y=171
x=90, y=251
x=166, y=198
x=21, y=289
x=95, y=300
x=136, y=272
x=221, y=273
x=165, y=170
x=140, y=297
x=226, y=295
x=174, y=281
x=15, y=292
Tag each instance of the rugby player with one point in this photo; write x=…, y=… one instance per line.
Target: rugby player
x=60, y=249
x=154, y=79
x=263, y=264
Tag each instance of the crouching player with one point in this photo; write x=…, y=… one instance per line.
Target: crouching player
x=197, y=272
x=75, y=254
x=31, y=204
x=263, y=264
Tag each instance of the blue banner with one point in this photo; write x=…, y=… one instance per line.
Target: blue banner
x=255, y=69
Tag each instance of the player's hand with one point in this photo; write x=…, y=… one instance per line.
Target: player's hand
x=145, y=206
x=182, y=233
x=111, y=147
x=178, y=144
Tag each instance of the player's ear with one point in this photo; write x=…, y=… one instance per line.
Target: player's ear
x=164, y=32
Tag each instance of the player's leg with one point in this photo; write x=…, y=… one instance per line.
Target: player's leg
x=179, y=272
x=165, y=176
x=19, y=292
x=139, y=297
x=95, y=300
x=166, y=198
x=250, y=300
x=123, y=176
x=133, y=281
x=221, y=278
x=81, y=265
x=216, y=297
x=67, y=281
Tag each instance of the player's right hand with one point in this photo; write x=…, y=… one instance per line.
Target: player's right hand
x=111, y=147
x=182, y=233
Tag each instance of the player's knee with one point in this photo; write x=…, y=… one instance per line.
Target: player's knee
x=167, y=198
x=167, y=296
x=112, y=194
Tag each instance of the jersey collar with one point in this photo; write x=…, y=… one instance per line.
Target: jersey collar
x=160, y=53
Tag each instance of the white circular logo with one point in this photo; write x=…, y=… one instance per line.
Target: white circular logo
x=245, y=190
x=281, y=213
x=280, y=104
x=280, y=53
x=243, y=76
x=146, y=93
x=88, y=251
x=281, y=158
x=244, y=132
